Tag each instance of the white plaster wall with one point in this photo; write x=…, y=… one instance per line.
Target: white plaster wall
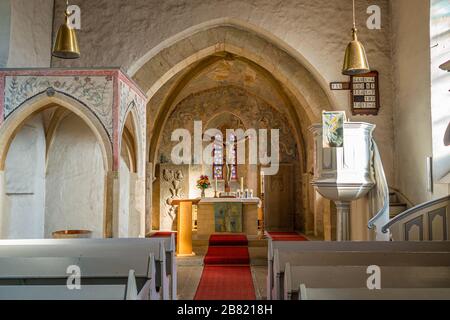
x=24, y=198
x=440, y=95
x=135, y=218
x=31, y=30
x=5, y=24
x=412, y=116
x=75, y=180
x=317, y=30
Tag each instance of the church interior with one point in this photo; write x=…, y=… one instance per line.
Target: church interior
x=224, y=150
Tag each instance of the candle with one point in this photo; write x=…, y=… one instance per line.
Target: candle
x=215, y=184
x=262, y=182
x=242, y=183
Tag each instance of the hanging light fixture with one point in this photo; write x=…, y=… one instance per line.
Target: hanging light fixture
x=66, y=43
x=355, y=61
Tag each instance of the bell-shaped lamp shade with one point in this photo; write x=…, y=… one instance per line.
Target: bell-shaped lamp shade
x=66, y=43
x=355, y=61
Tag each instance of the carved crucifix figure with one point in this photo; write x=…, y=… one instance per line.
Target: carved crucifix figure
x=227, y=168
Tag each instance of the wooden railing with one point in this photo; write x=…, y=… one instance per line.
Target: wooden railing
x=429, y=221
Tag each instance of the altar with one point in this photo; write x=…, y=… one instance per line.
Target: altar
x=227, y=215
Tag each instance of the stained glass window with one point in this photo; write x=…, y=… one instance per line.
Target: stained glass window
x=218, y=155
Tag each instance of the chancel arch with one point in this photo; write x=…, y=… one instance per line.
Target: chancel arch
x=170, y=75
x=60, y=182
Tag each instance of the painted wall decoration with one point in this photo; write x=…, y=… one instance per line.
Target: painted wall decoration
x=96, y=92
x=108, y=93
x=333, y=129
x=228, y=217
x=253, y=112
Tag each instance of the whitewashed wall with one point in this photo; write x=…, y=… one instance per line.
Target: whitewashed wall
x=440, y=95
x=75, y=180
x=5, y=25
x=31, y=30
x=412, y=112
x=24, y=199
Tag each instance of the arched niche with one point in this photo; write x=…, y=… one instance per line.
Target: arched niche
x=76, y=149
x=131, y=177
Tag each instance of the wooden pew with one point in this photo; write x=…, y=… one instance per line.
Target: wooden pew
x=356, y=277
x=163, y=250
x=294, y=247
x=126, y=291
x=365, y=294
x=134, y=276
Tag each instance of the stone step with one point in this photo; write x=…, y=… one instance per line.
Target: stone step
x=396, y=208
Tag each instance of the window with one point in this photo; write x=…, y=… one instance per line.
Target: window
x=219, y=155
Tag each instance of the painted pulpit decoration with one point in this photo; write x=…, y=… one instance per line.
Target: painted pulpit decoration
x=228, y=217
x=333, y=129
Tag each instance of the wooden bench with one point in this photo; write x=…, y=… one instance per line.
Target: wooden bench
x=323, y=253
x=365, y=294
x=126, y=291
x=162, y=249
x=356, y=277
x=130, y=279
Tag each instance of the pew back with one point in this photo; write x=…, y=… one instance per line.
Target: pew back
x=365, y=294
x=357, y=277
x=323, y=253
x=122, y=251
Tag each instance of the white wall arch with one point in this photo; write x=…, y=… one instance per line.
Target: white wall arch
x=42, y=101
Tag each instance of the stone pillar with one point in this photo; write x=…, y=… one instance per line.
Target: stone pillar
x=2, y=206
x=343, y=220
x=111, y=221
x=140, y=205
x=148, y=197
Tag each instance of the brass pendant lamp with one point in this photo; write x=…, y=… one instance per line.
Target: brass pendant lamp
x=355, y=61
x=66, y=43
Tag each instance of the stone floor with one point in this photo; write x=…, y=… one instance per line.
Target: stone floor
x=190, y=271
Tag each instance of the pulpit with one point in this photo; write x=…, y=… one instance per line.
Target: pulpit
x=344, y=174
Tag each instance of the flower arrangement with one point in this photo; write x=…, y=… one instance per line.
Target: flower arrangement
x=203, y=183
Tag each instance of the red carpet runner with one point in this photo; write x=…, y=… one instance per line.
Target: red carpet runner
x=226, y=274
x=286, y=236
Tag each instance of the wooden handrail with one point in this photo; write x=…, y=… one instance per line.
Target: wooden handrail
x=414, y=210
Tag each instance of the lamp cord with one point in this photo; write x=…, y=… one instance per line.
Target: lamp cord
x=354, y=15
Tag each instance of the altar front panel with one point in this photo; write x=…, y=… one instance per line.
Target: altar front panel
x=206, y=217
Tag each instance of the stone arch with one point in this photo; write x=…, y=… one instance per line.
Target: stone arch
x=202, y=35
x=199, y=47
x=138, y=137
x=170, y=66
x=16, y=119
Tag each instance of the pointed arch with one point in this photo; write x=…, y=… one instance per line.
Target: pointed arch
x=42, y=101
x=186, y=55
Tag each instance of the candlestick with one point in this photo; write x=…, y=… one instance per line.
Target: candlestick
x=242, y=183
